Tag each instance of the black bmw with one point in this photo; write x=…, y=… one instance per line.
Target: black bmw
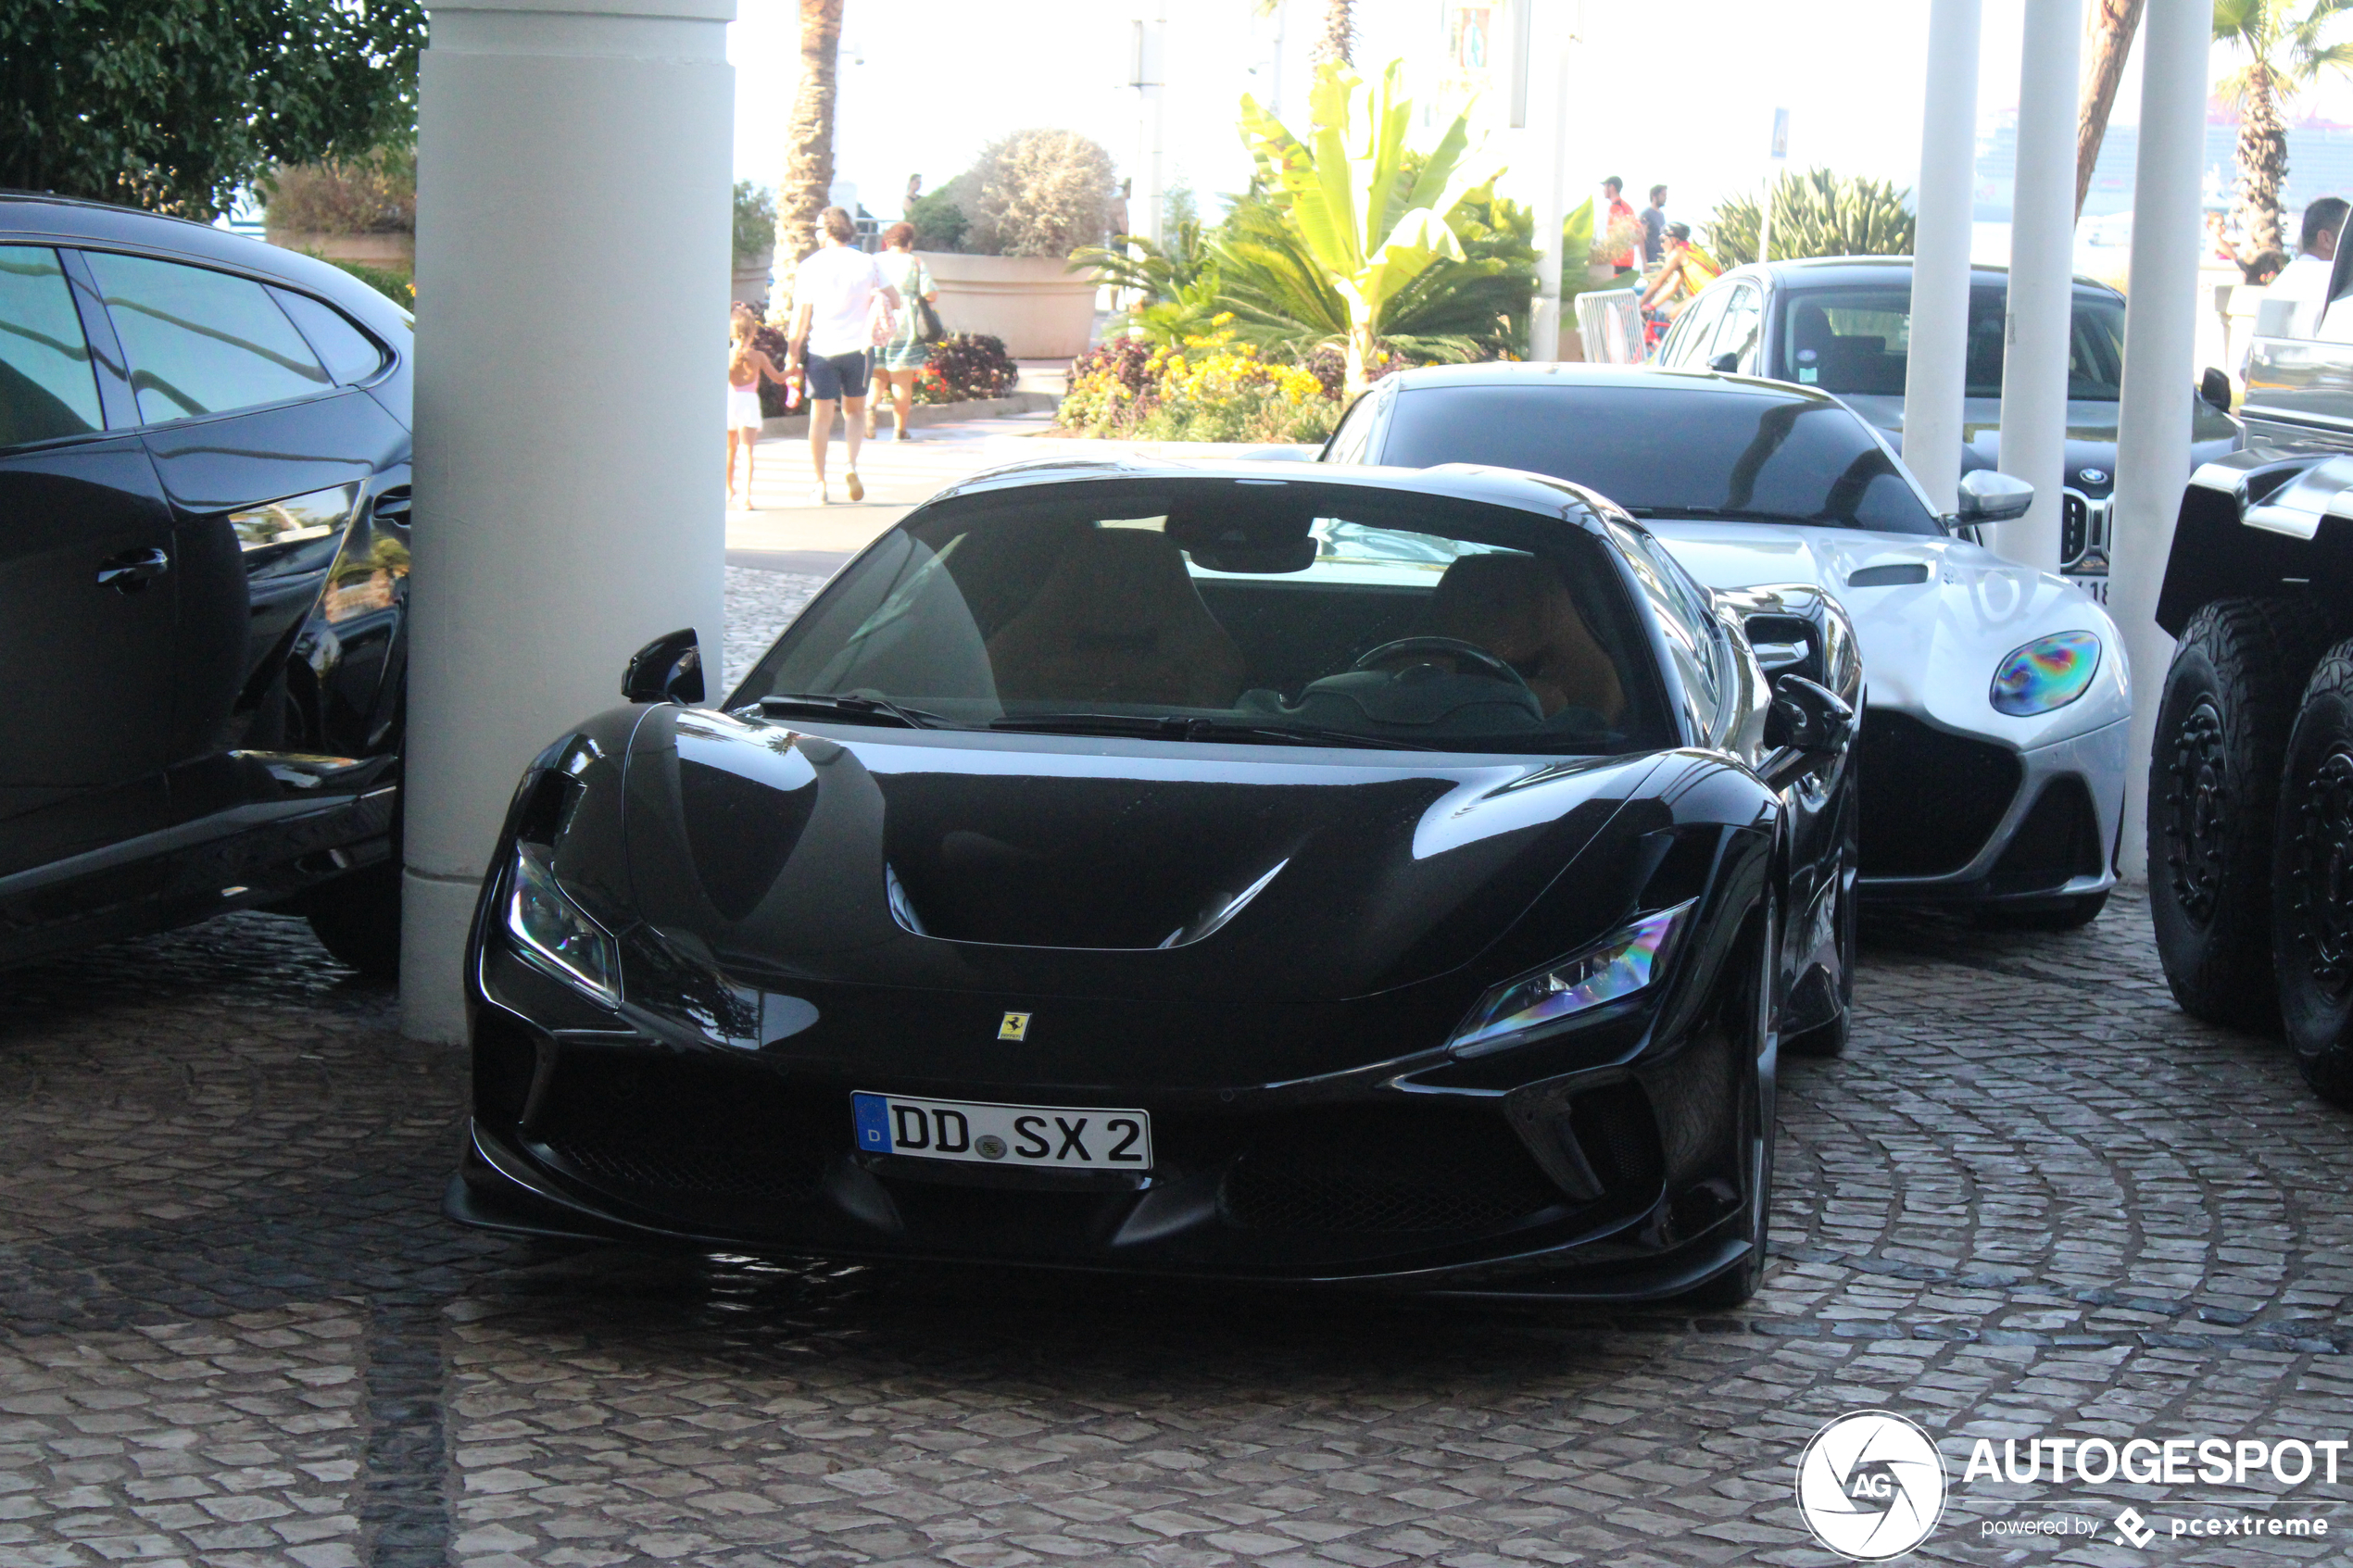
x=1381, y=876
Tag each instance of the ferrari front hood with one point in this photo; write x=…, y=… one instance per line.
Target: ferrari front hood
x=1935, y=617
x=1020, y=862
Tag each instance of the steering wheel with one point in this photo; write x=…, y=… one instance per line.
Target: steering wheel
x=1481, y=662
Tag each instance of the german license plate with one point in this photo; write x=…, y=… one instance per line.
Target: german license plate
x=1064, y=1137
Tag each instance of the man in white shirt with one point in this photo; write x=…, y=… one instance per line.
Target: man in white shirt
x=833, y=319
x=2305, y=279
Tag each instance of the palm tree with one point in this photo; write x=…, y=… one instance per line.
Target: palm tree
x=808, y=170
x=2111, y=25
x=2286, y=49
x=1337, y=41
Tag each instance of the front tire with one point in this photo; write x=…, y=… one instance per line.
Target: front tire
x=2312, y=881
x=2222, y=730
x=357, y=918
x=1759, y=1009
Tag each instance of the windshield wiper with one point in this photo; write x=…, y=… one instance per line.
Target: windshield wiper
x=1176, y=726
x=857, y=710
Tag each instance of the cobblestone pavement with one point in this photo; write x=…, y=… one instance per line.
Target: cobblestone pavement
x=236, y=1330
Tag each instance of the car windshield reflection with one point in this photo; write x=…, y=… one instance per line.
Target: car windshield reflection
x=1231, y=612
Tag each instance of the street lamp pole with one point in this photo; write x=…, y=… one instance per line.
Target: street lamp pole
x=2160, y=331
x=1936, y=374
x=1148, y=76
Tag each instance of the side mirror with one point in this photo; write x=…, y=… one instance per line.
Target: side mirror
x=2214, y=389
x=669, y=669
x=1807, y=716
x=1727, y=363
x=1989, y=496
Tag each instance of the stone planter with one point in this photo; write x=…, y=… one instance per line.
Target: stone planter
x=1042, y=312
x=395, y=250
x=750, y=286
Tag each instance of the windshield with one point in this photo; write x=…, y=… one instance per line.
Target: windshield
x=1242, y=611
x=1857, y=340
x=1662, y=449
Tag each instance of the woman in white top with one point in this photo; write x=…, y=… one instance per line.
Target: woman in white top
x=833, y=304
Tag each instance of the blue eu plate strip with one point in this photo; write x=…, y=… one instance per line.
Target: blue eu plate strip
x=871, y=1115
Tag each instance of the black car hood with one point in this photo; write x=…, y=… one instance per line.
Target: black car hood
x=1089, y=866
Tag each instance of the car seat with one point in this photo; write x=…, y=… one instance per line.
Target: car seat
x=1117, y=620
x=1519, y=609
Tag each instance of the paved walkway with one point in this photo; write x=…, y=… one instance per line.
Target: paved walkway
x=2032, y=1200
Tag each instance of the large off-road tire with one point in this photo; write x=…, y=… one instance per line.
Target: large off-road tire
x=2221, y=728
x=357, y=918
x=2312, y=881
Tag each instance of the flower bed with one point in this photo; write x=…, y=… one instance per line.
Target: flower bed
x=1207, y=388
x=963, y=367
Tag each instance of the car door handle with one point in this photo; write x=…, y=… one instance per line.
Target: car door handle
x=132, y=570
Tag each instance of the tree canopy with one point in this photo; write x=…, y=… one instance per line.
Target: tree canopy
x=174, y=105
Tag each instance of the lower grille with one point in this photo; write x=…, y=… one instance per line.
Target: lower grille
x=655, y=1124
x=1385, y=1172
x=1931, y=799
x=2058, y=840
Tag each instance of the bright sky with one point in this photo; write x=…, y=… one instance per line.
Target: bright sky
x=1682, y=94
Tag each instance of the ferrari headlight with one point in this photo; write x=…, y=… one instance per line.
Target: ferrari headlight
x=555, y=934
x=1619, y=966
x=2048, y=672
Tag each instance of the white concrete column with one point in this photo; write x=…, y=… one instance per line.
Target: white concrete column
x=2160, y=334
x=2042, y=279
x=1547, y=137
x=1151, y=83
x=573, y=167
x=1936, y=374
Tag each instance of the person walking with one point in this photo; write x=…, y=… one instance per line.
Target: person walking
x=1653, y=221
x=1620, y=212
x=901, y=360
x=745, y=364
x=832, y=332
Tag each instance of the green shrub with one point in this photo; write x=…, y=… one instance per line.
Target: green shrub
x=367, y=195
x=396, y=283
x=1036, y=193
x=755, y=220
x=939, y=222
x=1815, y=213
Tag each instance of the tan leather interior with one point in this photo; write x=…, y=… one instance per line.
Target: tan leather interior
x=1517, y=608
x=1118, y=621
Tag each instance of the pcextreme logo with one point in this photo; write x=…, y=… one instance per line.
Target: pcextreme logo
x=1871, y=1485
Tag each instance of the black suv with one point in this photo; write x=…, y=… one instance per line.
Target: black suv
x=204, y=562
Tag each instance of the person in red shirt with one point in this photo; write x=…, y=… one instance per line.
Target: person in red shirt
x=1620, y=212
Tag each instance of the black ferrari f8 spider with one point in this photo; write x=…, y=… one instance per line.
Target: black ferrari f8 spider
x=1402, y=878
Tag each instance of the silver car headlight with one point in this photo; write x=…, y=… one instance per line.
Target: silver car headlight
x=1620, y=965
x=555, y=934
x=2048, y=672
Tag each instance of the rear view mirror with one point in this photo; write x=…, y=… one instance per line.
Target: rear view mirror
x=1807, y=716
x=1727, y=363
x=1987, y=496
x=669, y=669
x=2214, y=389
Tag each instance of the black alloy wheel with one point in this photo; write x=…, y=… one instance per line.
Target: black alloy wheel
x=2312, y=881
x=2221, y=728
x=1752, y=1007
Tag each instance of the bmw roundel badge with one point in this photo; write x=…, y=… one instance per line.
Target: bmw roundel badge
x=2091, y=476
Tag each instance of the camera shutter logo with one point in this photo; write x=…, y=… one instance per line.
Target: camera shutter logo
x=1871, y=1485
